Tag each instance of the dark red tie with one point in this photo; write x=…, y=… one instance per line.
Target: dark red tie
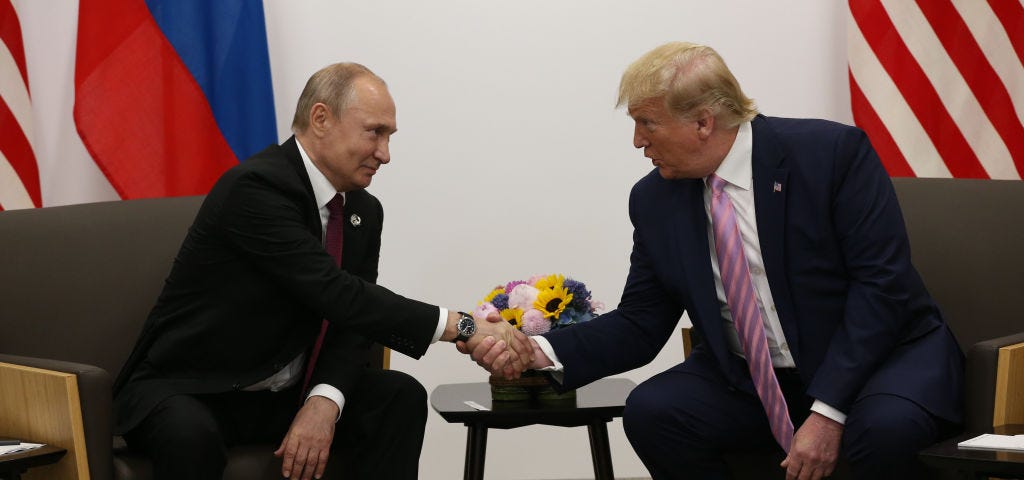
x=333, y=243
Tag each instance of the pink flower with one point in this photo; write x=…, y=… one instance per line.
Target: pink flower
x=536, y=278
x=534, y=322
x=522, y=297
x=511, y=285
x=481, y=312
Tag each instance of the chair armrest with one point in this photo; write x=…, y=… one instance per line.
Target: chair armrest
x=981, y=376
x=94, y=392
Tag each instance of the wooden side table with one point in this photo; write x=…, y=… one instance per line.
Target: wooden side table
x=596, y=405
x=12, y=466
x=977, y=464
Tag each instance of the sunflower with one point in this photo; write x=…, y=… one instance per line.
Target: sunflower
x=551, y=281
x=490, y=296
x=552, y=301
x=514, y=316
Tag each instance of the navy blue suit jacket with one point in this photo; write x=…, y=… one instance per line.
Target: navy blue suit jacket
x=856, y=315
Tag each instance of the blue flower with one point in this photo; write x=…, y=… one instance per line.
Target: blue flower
x=580, y=295
x=500, y=301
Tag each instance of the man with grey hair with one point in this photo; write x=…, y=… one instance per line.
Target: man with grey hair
x=263, y=330
x=784, y=242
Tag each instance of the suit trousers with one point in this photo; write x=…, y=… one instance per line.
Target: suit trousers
x=379, y=435
x=684, y=422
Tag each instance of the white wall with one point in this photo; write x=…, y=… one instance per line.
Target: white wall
x=510, y=159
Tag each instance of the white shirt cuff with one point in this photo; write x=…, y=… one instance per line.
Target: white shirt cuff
x=330, y=393
x=442, y=321
x=829, y=412
x=557, y=369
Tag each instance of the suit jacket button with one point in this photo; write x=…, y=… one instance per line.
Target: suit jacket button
x=237, y=386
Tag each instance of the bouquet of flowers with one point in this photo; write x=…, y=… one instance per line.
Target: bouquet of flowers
x=540, y=304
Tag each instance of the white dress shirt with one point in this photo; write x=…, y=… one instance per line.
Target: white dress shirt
x=737, y=170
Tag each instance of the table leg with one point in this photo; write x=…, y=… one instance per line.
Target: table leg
x=476, y=452
x=600, y=451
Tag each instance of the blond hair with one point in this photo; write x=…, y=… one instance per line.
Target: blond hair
x=691, y=77
x=331, y=86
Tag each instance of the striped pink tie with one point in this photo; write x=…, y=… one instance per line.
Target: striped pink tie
x=333, y=243
x=739, y=293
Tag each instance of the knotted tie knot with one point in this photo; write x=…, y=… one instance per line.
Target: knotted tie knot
x=717, y=184
x=335, y=207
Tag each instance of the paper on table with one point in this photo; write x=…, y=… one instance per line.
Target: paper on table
x=7, y=449
x=991, y=441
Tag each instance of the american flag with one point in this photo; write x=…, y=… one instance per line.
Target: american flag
x=938, y=85
x=19, y=174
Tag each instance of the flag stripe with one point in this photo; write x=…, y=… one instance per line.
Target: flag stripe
x=138, y=110
x=14, y=92
x=982, y=80
x=894, y=161
x=890, y=106
x=952, y=90
x=224, y=46
x=1011, y=15
x=879, y=31
x=19, y=172
x=18, y=151
x=12, y=192
x=997, y=48
x=10, y=35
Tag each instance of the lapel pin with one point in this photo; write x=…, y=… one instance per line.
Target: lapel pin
x=355, y=220
x=777, y=187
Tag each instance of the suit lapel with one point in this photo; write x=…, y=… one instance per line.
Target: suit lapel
x=291, y=152
x=356, y=214
x=770, y=193
x=691, y=231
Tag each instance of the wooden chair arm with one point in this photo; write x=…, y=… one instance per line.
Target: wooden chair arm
x=42, y=406
x=1009, y=404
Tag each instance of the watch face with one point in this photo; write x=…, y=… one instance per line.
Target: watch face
x=466, y=327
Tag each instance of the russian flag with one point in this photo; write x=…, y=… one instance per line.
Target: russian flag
x=171, y=93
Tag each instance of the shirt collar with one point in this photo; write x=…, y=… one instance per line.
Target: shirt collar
x=737, y=168
x=323, y=191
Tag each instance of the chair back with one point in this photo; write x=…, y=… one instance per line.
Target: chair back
x=78, y=281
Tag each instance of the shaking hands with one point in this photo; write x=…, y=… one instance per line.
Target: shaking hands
x=501, y=349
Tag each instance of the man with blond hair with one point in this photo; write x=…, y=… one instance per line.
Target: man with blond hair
x=784, y=242
x=262, y=331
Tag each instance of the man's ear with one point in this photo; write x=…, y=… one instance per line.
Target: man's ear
x=705, y=123
x=319, y=118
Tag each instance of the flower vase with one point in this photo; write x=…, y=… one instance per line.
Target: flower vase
x=531, y=386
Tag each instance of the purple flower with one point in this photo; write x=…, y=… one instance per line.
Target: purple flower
x=511, y=285
x=500, y=301
x=580, y=295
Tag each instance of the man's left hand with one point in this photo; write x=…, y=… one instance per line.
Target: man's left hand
x=307, y=444
x=815, y=449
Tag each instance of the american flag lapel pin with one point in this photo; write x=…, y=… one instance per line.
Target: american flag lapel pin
x=777, y=187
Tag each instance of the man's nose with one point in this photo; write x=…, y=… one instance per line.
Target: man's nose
x=383, y=151
x=639, y=141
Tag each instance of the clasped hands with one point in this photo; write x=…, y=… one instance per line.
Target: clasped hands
x=501, y=349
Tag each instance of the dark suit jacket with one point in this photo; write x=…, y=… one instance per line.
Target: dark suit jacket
x=856, y=315
x=250, y=286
